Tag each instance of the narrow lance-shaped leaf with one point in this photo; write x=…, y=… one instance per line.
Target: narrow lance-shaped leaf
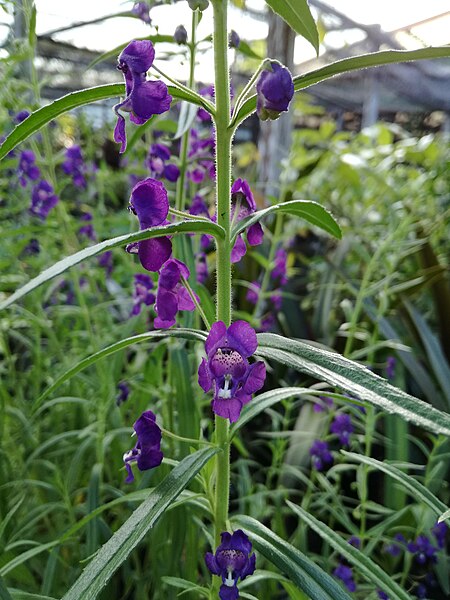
x=311, y=211
x=191, y=226
x=365, y=566
x=47, y=113
x=297, y=15
x=417, y=490
x=307, y=576
x=374, y=59
x=355, y=379
x=116, y=550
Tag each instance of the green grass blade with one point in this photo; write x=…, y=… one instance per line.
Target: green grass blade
x=307, y=576
x=312, y=212
x=414, y=487
x=365, y=566
x=353, y=378
x=25, y=556
x=192, y=226
x=4, y=594
x=374, y=59
x=184, y=333
x=112, y=554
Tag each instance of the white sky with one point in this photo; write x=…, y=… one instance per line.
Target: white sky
x=390, y=14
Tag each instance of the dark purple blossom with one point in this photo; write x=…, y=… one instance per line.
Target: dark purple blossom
x=232, y=561
x=342, y=427
x=440, y=533
x=201, y=267
x=227, y=368
x=105, y=261
x=277, y=300
x=21, y=116
x=275, y=90
x=147, y=452
x=243, y=205
x=345, y=574
x=156, y=161
x=27, y=169
x=87, y=229
x=171, y=172
x=233, y=39
x=354, y=541
x=423, y=550
x=323, y=404
x=180, y=35
x=43, y=199
x=321, y=456
x=142, y=11
x=279, y=272
x=124, y=392
x=267, y=322
x=142, y=293
x=149, y=202
x=74, y=166
x=390, y=367
x=143, y=98
x=199, y=206
x=396, y=546
x=253, y=292
x=172, y=295
x=382, y=595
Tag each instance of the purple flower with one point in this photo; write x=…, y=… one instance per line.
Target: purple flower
x=440, y=533
x=321, y=456
x=354, y=541
x=147, y=452
x=105, y=261
x=233, y=39
x=156, y=161
x=149, y=202
x=142, y=293
x=343, y=428
x=27, y=168
x=172, y=296
x=171, y=172
x=253, y=292
x=280, y=269
x=232, y=561
x=227, y=367
x=390, y=367
x=198, y=206
x=74, y=165
x=43, y=199
x=275, y=90
x=345, y=574
x=395, y=547
x=87, y=229
x=180, y=35
x=382, y=595
x=143, y=98
x=124, y=392
x=324, y=403
x=21, y=116
x=142, y=11
x=423, y=550
x=206, y=92
x=201, y=267
x=243, y=205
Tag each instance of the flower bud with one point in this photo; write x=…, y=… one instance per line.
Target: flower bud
x=275, y=90
x=198, y=4
x=180, y=35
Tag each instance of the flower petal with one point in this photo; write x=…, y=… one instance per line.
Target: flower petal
x=150, y=98
x=242, y=337
x=204, y=377
x=153, y=253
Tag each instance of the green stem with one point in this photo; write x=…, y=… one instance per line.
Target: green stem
x=195, y=301
x=223, y=205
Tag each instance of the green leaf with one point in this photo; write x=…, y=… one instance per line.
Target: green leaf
x=25, y=556
x=365, y=566
x=188, y=334
x=312, y=212
x=112, y=554
x=188, y=113
x=4, y=594
x=47, y=113
x=374, y=59
x=245, y=49
x=193, y=226
x=355, y=379
x=264, y=401
x=186, y=585
x=306, y=575
x=444, y=516
x=297, y=15
x=414, y=487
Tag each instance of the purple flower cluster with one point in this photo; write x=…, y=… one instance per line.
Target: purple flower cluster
x=143, y=98
x=228, y=370
x=124, y=392
x=201, y=154
x=343, y=428
x=157, y=158
x=43, y=199
x=172, y=296
x=345, y=574
x=147, y=451
x=74, y=166
x=142, y=293
x=87, y=229
x=321, y=456
x=231, y=561
x=27, y=169
x=243, y=205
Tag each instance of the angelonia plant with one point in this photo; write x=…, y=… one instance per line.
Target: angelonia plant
x=233, y=358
